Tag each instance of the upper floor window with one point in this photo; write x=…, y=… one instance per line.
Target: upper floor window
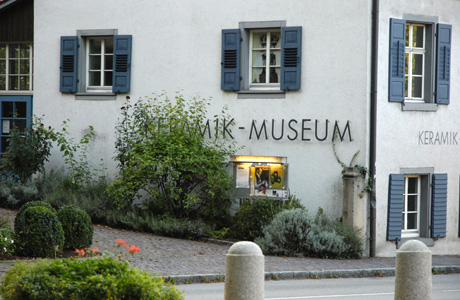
x=99, y=63
x=415, y=62
x=16, y=61
x=265, y=58
x=419, y=62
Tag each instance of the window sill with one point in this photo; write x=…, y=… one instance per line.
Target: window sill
x=16, y=93
x=96, y=96
x=429, y=242
x=261, y=94
x=408, y=106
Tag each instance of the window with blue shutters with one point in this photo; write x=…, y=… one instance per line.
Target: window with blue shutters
x=15, y=112
x=96, y=63
x=419, y=62
x=261, y=57
x=417, y=206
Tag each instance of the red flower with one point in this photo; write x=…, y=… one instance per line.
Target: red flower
x=120, y=242
x=127, y=98
x=95, y=250
x=133, y=249
x=80, y=252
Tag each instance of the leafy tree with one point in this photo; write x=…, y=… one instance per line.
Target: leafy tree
x=168, y=158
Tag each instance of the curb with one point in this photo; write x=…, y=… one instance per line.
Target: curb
x=291, y=275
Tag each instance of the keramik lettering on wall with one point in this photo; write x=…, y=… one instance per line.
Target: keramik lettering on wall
x=293, y=130
x=428, y=137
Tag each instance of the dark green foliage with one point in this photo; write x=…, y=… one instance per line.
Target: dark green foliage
x=28, y=150
x=91, y=279
x=40, y=234
x=169, y=161
x=6, y=242
x=296, y=232
x=19, y=220
x=254, y=215
x=77, y=226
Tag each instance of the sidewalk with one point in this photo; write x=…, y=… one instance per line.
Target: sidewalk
x=194, y=261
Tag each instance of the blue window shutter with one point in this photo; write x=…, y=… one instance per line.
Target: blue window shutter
x=396, y=70
x=291, y=57
x=122, y=45
x=230, y=65
x=395, y=206
x=439, y=206
x=443, y=46
x=68, y=73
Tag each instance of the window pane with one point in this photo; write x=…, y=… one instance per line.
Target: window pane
x=2, y=83
x=412, y=203
x=417, y=37
x=3, y=51
x=275, y=40
x=274, y=75
x=13, y=82
x=4, y=144
x=417, y=64
x=411, y=221
x=407, y=35
x=275, y=58
x=94, y=46
x=406, y=90
x=417, y=87
x=7, y=109
x=95, y=62
x=21, y=110
x=108, y=45
x=24, y=67
x=95, y=78
x=259, y=40
x=406, y=63
x=108, y=78
x=258, y=75
x=24, y=83
x=14, y=67
x=413, y=185
x=24, y=51
x=2, y=66
x=108, y=63
x=20, y=124
x=259, y=58
x=14, y=51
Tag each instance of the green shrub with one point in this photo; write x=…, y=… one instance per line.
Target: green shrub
x=297, y=232
x=77, y=226
x=13, y=194
x=6, y=242
x=40, y=234
x=99, y=278
x=254, y=215
x=19, y=219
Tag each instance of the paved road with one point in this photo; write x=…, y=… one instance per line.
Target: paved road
x=445, y=287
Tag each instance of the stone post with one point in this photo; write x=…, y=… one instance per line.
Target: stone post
x=413, y=272
x=244, y=272
x=353, y=209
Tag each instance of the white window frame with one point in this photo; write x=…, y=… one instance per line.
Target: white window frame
x=411, y=51
x=409, y=233
x=102, y=69
x=7, y=62
x=266, y=85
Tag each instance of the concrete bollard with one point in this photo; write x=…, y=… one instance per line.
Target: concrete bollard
x=244, y=272
x=413, y=272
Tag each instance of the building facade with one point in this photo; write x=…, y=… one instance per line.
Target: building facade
x=382, y=76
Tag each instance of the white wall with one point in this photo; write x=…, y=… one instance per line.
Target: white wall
x=177, y=45
x=398, y=131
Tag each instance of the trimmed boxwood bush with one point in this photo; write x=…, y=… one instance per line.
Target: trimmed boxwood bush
x=40, y=233
x=98, y=279
x=77, y=226
x=20, y=214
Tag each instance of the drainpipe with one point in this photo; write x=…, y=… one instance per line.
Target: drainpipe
x=373, y=122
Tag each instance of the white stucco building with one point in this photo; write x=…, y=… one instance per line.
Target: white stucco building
x=385, y=74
